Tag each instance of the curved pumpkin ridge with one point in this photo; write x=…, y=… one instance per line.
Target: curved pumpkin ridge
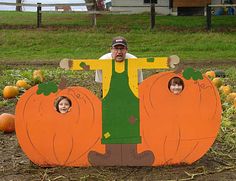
x=202, y=86
x=91, y=106
x=178, y=143
x=27, y=129
x=144, y=106
x=69, y=154
x=89, y=149
x=178, y=134
x=53, y=144
x=216, y=96
x=69, y=150
x=164, y=149
x=148, y=106
x=94, y=118
x=191, y=152
x=31, y=141
x=214, y=116
x=149, y=95
x=177, y=158
x=176, y=151
x=76, y=99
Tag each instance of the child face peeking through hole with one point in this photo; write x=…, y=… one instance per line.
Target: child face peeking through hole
x=63, y=104
x=176, y=85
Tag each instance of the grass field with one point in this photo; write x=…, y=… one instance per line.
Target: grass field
x=72, y=36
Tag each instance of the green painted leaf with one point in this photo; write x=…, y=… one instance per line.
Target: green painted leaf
x=187, y=74
x=199, y=75
x=151, y=59
x=82, y=64
x=46, y=88
x=194, y=76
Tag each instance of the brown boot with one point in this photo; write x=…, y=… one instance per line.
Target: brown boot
x=112, y=156
x=130, y=156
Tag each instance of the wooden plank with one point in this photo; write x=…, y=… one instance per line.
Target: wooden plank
x=88, y=12
x=17, y=4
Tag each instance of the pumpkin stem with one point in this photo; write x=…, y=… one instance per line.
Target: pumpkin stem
x=63, y=83
x=179, y=68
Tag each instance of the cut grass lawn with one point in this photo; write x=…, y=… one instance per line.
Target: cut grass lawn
x=71, y=36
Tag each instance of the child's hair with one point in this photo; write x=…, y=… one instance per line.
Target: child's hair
x=58, y=100
x=176, y=80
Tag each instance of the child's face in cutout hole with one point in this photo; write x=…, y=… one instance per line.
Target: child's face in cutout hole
x=176, y=85
x=176, y=88
x=63, y=106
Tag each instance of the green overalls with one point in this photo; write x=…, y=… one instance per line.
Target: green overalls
x=120, y=111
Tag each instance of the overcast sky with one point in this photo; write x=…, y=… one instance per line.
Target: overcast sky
x=25, y=8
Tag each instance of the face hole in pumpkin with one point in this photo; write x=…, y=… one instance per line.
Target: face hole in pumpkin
x=176, y=85
x=63, y=104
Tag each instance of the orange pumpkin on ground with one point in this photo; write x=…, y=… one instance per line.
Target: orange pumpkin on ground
x=22, y=84
x=230, y=97
x=178, y=128
x=210, y=74
x=7, y=122
x=50, y=138
x=217, y=82
x=225, y=89
x=10, y=92
x=38, y=76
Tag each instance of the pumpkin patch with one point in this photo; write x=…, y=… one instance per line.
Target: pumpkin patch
x=38, y=76
x=22, y=84
x=178, y=128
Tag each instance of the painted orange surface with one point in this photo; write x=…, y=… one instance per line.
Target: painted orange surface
x=178, y=128
x=49, y=138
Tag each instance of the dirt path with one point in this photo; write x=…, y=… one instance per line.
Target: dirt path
x=208, y=63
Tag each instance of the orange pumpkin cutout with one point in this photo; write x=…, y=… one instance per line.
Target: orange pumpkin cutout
x=178, y=128
x=50, y=138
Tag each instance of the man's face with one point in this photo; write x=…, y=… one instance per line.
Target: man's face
x=118, y=53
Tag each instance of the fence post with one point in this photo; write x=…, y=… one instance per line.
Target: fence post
x=94, y=19
x=39, y=15
x=153, y=14
x=18, y=5
x=94, y=13
x=208, y=17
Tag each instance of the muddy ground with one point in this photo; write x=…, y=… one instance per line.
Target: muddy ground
x=218, y=164
x=14, y=165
